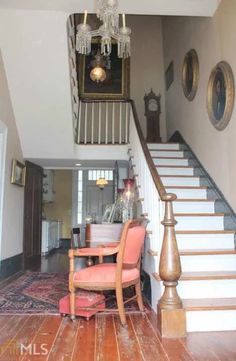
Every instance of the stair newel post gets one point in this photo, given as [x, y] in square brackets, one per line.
[170, 312]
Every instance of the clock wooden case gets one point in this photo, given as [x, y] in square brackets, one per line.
[152, 113]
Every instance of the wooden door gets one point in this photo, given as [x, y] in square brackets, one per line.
[32, 215]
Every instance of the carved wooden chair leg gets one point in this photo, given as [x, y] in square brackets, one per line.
[139, 296]
[120, 305]
[72, 305]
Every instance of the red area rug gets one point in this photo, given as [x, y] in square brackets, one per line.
[39, 293]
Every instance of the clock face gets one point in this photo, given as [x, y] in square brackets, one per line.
[152, 105]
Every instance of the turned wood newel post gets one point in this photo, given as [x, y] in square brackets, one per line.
[171, 315]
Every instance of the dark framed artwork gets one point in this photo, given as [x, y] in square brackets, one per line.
[116, 84]
[190, 74]
[220, 95]
[169, 75]
[18, 173]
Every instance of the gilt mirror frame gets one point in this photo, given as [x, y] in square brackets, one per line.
[190, 74]
[220, 95]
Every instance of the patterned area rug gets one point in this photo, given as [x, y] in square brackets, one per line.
[34, 293]
[39, 293]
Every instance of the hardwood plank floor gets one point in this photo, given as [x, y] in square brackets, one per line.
[48, 338]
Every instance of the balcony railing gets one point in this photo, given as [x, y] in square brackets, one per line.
[103, 122]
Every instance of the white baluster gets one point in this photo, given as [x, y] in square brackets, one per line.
[79, 122]
[92, 125]
[85, 123]
[120, 124]
[99, 122]
[106, 115]
[127, 109]
[113, 123]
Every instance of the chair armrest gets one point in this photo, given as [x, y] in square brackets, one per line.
[90, 252]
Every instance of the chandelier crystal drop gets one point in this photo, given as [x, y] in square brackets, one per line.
[107, 12]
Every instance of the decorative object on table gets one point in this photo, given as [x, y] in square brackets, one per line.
[169, 75]
[128, 199]
[107, 13]
[152, 113]
[220, 95]
[18, 173]
[190, 74]
[119, 207]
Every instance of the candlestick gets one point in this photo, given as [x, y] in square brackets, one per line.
[123, 17]
[85, 16]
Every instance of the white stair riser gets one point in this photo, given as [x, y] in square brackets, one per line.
[199, 223]
[207, 289]
[205, 241]
[194, 207]
[186, 193]
[208, 263]
[175, 171]
[169, 161]
[167, 153]
[222, 320]
[181, 181]
[163, 146]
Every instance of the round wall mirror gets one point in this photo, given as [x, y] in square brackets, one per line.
[220, 95]
[190, 74]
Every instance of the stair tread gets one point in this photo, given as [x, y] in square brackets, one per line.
[153, 157]
[194, 200]
[166, 150]
[197, 252]
[199, 214]
[224, 231]
[174, 166]
[179, 176]
[160, 143]
[186, 187]
[198, 304]
[203, 275]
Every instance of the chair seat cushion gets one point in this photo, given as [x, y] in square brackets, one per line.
[104, 273]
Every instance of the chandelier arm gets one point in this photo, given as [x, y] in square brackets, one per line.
[95, 33]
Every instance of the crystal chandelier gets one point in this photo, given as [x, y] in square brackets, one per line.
[107, 12]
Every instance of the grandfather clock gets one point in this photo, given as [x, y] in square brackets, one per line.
[152, 113]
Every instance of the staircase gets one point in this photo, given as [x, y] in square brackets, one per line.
[205, 238]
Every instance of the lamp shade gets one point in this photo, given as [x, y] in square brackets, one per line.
[101, 182]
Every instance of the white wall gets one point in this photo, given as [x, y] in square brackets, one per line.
[147, 67]
[13, 206]
[214, 40]
[35, 52]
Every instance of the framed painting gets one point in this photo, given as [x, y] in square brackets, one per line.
[190, 74]
[117, 78]
[18, 173]
[220, 95]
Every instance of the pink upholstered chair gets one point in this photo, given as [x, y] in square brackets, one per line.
[112, 276]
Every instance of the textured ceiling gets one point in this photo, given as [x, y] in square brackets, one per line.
[147, 7]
